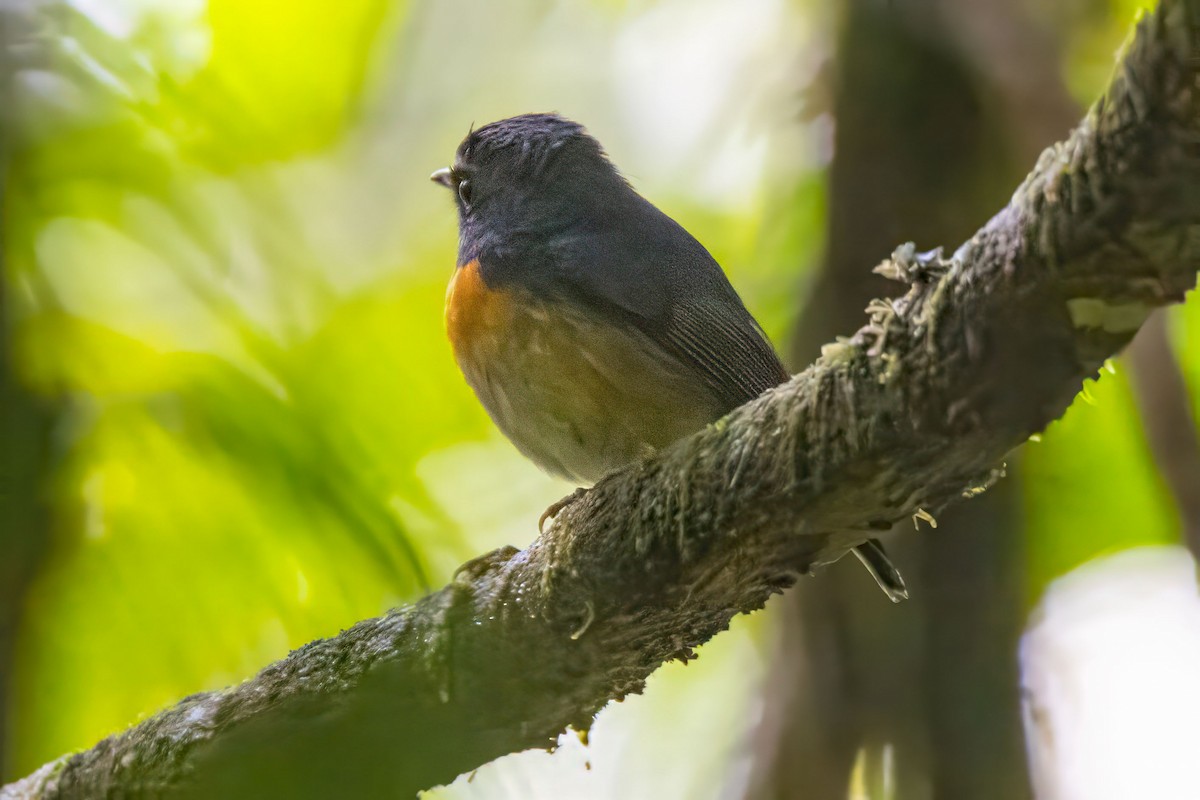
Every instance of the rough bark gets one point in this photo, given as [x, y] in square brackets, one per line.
[917, 409]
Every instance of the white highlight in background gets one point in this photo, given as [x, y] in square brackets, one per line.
[1110, 670]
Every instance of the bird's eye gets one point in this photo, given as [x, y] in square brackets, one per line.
[464, 192]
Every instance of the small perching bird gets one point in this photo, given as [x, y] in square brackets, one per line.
[593, 328]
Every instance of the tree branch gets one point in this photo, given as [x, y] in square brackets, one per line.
[914, 411]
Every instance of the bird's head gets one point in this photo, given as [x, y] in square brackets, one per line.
[529, 172]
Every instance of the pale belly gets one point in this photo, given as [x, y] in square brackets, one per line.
[577, 397]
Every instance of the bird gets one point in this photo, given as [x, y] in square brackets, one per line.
[593, 328]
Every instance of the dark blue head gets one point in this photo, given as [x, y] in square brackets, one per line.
[528, 176]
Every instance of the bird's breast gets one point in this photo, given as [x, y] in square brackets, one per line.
[501, 336]
[577, 393]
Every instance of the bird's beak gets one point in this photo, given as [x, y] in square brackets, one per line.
[444, 176]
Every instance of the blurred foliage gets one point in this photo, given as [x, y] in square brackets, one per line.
[1094, 31]
[227, 263]
[1120, 504]
[172, 297]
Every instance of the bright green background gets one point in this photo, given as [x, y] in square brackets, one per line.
[229, 267]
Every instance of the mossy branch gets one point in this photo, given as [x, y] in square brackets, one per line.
[917, 410]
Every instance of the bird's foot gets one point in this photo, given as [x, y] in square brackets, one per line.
[558, 506]
[875, 559]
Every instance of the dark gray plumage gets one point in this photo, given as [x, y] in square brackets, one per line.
[593, 327]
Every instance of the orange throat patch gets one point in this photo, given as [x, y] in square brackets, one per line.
[473, 311]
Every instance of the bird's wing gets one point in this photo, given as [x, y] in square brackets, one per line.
[678, 296]
[719, 339]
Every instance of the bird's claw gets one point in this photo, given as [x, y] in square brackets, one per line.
[558, 506]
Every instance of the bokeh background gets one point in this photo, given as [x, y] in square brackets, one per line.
[231, 422]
